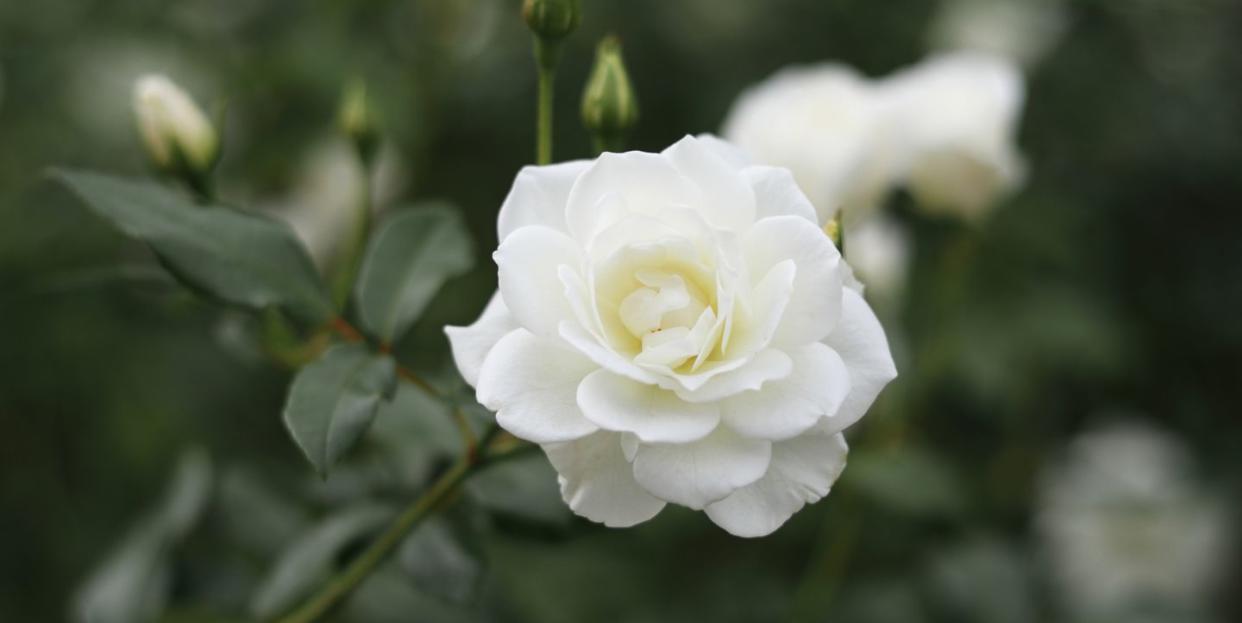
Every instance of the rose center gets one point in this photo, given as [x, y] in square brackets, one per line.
[670, 316]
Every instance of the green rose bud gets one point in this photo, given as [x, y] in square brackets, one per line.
[551, 19]
[357, 120]
[609, 108]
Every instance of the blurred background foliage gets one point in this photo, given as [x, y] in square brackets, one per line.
[1108, 288]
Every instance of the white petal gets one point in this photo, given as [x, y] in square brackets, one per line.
[603, 356]
[815, 303]
[620, 184]
[538, 197]
[735, 156]
[790, 406]
[598, 483]
[532, 384]
[701, 472]
[728, 200]
[777, 194]
[764, 366]
[471, 344]
[765, 309]
[653, 414]
[529, 259]
[802, 471]
[859, 339]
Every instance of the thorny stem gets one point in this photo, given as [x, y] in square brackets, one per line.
[347, 332]
[341, 585]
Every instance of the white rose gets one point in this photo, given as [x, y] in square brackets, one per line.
[1126, 526]
[1023, 30]
[172, 126]
[956, 116]
[827, 125]
[674, 327]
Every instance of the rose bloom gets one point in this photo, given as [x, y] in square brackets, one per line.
[825, 123]
[944, 128]
[955, 118]
[1127, 527]
[675, 327]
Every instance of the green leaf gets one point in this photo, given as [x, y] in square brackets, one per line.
[438, 557]
[388, 596]
[411, 256]
[312, 558]
[239, 257]
[133, 584]
[333, 400]
[523, 488]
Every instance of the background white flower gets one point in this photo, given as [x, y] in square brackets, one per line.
[956, 117]
[879, 253]
[675, 327]
[326, 189]
[825, 123]
[1022, 30]
[944, 128]
[1127, 528]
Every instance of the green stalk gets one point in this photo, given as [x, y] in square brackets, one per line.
[355, 247]
[546, 55]
[615, 144]
[341, 585]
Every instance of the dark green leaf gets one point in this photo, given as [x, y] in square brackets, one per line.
[257, 515]
[239, 257]
[333, 400]
[312, 558]
[411, 256]
[523, 488]
[440, 561]
[388, 596]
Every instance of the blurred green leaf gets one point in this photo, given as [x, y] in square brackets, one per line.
[333, 400]
[413, 421]
[388, 596]
[312, 557]
[441, 561]
[256, 515]
[908, 479]
[239, 257]
[414, 252]
[134, 582]
[524, 488]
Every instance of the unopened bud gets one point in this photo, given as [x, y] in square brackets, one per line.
[609, 108]
[178, 136]
[357, 120]
[552, 20]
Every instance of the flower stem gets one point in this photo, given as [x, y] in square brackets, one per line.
[547, 53]
[341, 585]
[355, 248]
[543, 118]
